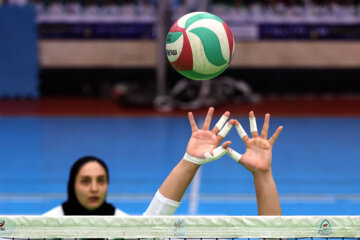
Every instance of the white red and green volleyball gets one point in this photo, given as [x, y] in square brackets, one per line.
[200, 45]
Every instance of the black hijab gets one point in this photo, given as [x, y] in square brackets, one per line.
[72, 205]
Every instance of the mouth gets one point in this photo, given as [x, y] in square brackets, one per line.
[93, 199]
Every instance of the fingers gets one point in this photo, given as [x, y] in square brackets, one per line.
[234, 154]
[226, 129]
[214, 154]
[208, 119]
[241, 131]
[253, 126]
[265, 129]
[219, 125]
[193, 125]
[275, 135]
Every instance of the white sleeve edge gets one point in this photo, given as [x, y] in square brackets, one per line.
[166, 200]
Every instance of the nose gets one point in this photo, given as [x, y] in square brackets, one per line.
[94, 186]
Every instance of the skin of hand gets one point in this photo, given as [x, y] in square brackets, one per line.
[257, 159]
[258, 155]
[203, 140]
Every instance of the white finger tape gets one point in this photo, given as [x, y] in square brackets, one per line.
[221, 122]
[253, 126]
[240, 131]
[216, 154]
[225, 130]
[234, 154]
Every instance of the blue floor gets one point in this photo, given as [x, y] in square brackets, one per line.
[315, 164]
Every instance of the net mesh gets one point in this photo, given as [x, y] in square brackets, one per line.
[182, 227]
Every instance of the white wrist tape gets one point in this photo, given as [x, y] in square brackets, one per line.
[240, 131]
[225, 130]
[216, 154]
[221, 122]
[234, 154]
[253, 126]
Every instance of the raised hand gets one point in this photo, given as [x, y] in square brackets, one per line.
[258, 155]
[257, 159]
[203, 144]
[202, 148]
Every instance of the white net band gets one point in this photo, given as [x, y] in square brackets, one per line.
[180, 227]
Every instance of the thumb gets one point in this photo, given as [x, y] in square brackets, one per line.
[226, 144]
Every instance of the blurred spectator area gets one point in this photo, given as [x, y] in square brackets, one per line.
[274, 33]
[276, 40]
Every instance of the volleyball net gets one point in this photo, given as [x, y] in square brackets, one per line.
[179, 227]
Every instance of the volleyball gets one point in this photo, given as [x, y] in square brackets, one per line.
[200, 45]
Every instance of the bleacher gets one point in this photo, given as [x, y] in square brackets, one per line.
[118, 38]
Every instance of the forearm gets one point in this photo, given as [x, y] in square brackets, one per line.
[178, 180]
[266, 194]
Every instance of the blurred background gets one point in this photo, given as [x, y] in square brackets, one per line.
[80, 77]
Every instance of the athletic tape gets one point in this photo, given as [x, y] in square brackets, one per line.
[234, 154]
[193, 159]
[240, 131]
[225, 130]
[221, 122]
[216, 154]
[253, 126]
[208, 157]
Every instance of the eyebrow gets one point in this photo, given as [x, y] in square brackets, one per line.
[87, 176]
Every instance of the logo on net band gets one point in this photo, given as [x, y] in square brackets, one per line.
[325, 228]
[2, 225]
[178, 228]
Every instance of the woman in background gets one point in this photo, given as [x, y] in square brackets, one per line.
[87, 189]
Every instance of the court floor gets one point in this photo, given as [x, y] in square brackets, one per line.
[315, 163]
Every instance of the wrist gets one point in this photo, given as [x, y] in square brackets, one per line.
[188, 165]
[263, 175]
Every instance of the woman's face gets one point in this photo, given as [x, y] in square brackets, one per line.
[91, 185]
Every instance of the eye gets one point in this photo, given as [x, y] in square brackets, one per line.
[101, 180]
[85, 181]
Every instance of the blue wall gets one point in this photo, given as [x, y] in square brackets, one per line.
[18, 52]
